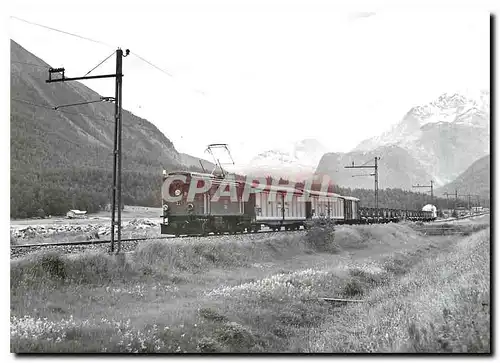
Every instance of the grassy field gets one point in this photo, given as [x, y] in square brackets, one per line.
[260, 294]
[441, 304]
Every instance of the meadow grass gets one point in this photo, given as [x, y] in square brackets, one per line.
[252, 294]
[439, 305]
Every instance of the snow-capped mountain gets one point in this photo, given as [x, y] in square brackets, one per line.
[295, 160]
[453, 108]
[445, 135]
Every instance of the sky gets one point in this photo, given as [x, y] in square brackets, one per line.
[258, 76]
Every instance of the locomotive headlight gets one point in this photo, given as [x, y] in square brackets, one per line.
[165, 207]
[177, 192]
[190, 207]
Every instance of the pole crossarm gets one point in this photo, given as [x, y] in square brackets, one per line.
[431, 186]
[65, 79]
[468, 196]
[372, 174]
[359, 167]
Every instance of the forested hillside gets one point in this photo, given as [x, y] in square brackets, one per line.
[62, 159]
[394, 198]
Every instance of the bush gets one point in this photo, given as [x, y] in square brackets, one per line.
[86, 268]
[13, 239]
[235, 337]
[54, 265]
[208, 345]
[320, 235]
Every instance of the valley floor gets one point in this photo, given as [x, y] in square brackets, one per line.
[129, 212]
[260, 294]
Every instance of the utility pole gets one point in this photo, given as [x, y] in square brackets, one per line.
[375, 174]
[117, 149]
[427, 186]
[468, 200]
[117, 155]
[456, 200]
[447, 204]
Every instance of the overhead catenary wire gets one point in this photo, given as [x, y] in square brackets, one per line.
[52, 108]
[94, 41]
[203, 93]
[68, 112]
[31, 64]
[64, 32]
[153, 65]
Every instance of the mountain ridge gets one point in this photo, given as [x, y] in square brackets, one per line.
[62, 159]
[440, 140]
[445, 135]
[474, 180]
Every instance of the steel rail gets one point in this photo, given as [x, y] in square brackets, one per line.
[98, 242]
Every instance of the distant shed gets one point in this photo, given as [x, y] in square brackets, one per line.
[75, 213]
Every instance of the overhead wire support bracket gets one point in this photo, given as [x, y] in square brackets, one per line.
[103, 99]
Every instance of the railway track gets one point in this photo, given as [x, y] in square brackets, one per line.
[450, 220]
[128, 244]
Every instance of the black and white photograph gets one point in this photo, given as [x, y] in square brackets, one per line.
[249, 177]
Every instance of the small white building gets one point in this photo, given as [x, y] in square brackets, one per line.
[75, 213]
[430, 208]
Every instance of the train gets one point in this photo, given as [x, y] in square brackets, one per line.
[196, 203]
